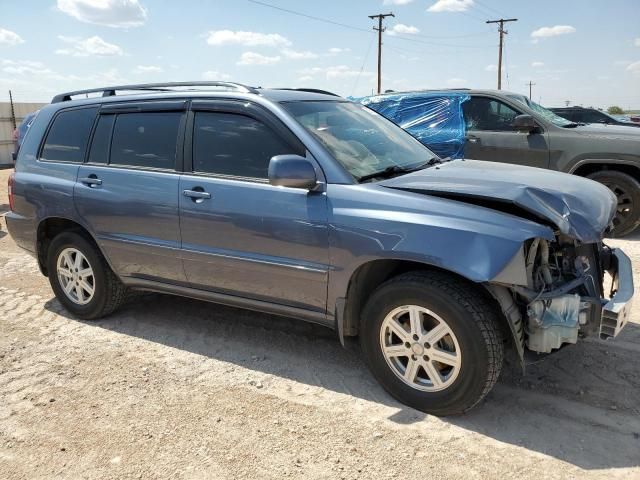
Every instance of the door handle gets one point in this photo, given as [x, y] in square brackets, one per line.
[197, 194]
[91, 181]
[472, 139]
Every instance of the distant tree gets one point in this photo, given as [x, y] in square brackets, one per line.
[615, 110]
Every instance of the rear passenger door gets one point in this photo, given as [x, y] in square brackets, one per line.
[241, 235]
[491, 136]
[127, 191]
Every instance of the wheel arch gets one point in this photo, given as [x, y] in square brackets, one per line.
[585, 168]
[368, 276]
[49, 228]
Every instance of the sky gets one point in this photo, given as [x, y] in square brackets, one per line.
[584, 52]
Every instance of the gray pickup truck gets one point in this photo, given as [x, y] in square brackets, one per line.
[307, 205]
[506, 127]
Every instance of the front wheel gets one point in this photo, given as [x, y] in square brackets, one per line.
[432, 341]
[627, 191]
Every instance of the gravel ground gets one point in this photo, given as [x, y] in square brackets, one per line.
[176, 388]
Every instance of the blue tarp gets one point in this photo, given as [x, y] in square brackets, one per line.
[433, 118]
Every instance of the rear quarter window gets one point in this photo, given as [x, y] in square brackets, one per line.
[68, 136]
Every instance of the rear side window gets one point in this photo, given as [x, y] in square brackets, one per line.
[233, 144]
[145, 139]
[68, 136]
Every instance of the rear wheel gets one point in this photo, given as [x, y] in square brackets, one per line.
[81, 278]
[627, 191]
[432, 341]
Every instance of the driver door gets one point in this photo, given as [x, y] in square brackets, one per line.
[490, 136]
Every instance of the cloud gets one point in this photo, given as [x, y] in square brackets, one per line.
[215, 75]
[537, 64]
[636, 42]
[456, 82]
[7, 37]
[294, 55]
[253, 58]
[110, 13]
[491, 68]
[334, 72]
[396, 2]
[450, 6]
[401, 28]
[546, 32]
[634, 67]
[26, 67]
[148, 69]
[305, 78]
[337, 50]
[92, 46]
[247, 39]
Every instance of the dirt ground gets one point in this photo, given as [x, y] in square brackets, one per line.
[176, 388]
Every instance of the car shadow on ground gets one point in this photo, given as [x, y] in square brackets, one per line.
[633, 236]
[578, 405]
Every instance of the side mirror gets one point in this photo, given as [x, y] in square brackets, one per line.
[292, 171]
[524, 123]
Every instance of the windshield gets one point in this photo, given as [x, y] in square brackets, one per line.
[363, 141]
[546, 113]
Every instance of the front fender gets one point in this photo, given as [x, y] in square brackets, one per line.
[477, 243]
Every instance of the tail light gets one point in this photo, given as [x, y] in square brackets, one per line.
[12, 180]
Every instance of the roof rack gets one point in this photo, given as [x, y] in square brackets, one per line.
[158, 87]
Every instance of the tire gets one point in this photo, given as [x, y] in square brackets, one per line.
[627, 190]
[473, 337]
[107, 292]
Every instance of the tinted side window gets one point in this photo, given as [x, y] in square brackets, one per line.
[68, 136]
[145, 139]
[99, 152]
[232, 144]
[488, 114]
[589, 116]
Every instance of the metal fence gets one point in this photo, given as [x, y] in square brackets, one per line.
[7, 118]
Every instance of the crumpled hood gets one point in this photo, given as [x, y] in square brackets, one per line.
[578, 207]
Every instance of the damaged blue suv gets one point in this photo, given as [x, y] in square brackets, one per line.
[303, 204]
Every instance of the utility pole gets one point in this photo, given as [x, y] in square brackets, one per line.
[530, 85]
[502, 32]
[13, 112]
[380, 29]
[567, 102]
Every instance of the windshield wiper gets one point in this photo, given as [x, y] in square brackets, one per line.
[394, 170]
[573, 125]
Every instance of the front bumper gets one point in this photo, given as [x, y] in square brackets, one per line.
[617, 310]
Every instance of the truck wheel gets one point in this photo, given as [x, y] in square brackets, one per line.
[627, 190]
[81, 278]
[432, 341]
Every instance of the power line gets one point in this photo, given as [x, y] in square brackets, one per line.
[311, 17]
[502, 33]
[487, 8]
[380, 17]
[360, 29]
[364, 61]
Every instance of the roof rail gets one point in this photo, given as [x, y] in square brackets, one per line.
[161, 87]
[310, 90]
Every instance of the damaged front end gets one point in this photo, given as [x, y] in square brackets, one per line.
[567, 294]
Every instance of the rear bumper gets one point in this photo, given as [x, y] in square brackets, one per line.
[617, 310]
[22, 230]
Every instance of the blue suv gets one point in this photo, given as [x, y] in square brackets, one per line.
[303, 204]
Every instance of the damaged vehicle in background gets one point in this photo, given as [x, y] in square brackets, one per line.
[307, 205]
[507, 127]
